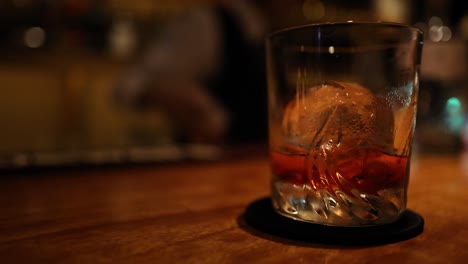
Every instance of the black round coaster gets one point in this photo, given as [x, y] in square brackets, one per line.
[261, 216]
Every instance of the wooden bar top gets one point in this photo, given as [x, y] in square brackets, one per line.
[190, 213]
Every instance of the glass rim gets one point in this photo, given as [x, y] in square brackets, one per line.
[358, 23]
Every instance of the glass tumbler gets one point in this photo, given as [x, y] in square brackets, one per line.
[342, 100]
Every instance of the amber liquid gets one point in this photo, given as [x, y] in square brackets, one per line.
[360, 186]
[366, 170]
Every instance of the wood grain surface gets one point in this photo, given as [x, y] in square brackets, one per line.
[191, 213]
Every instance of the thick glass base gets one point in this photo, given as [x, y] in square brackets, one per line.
[302, 202]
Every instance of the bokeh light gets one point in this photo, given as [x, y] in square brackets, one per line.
[437, 31]
[454, 118]
[435, 34]
[446, 33]
[435, 22]
[453, 105]
[34, 37]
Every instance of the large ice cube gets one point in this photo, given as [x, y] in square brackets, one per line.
[342, 114]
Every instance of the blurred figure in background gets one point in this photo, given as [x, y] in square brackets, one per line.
[206, 71]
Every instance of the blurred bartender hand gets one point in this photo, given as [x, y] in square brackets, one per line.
[206, 71]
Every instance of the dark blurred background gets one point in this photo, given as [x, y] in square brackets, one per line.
[70, 72]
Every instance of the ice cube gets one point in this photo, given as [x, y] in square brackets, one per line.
[341, 114]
